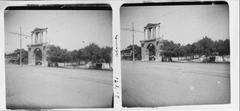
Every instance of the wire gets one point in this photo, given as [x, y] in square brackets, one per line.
[128, 29]
[19, 34]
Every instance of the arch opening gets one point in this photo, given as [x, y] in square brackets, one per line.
[151, 52]
[38, 56]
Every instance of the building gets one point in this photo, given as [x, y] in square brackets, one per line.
[126, 54]
[150, 46]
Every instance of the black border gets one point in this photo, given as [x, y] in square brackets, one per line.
[176, 3]
[61, 7]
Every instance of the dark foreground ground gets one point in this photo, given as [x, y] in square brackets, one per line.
[44, 87]
[154, 84]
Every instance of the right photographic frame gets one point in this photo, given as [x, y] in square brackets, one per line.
[175, 54]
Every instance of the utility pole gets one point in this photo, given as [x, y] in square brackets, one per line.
[133, 42]
[20, 40]
[20, 56]
[133, 30]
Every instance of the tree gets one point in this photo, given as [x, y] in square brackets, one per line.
[68, 57]
[74, 55]
[92, 52]
[205, 46]
[197, 49]
[170, 49]
[177, 50]
[54, 54]
[226, 45]
[189, 50]
[81, 55]
[106, 54]
[219, 47]
[222, 47]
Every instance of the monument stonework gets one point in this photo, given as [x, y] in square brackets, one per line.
[150, 46]
[37, 50]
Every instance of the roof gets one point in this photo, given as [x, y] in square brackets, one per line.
[149, 25]
[39, 29]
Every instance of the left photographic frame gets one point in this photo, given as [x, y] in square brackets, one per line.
[58, 56]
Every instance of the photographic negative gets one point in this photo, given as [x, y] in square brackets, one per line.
[58, 56]
[175, 54]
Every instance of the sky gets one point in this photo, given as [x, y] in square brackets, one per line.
[182, 24]
[70, 29]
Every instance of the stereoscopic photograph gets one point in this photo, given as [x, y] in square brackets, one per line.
[58, 56]
[175, 54]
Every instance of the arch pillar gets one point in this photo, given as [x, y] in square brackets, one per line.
[144, 52]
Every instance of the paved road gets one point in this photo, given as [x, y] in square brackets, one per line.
[43, 87]
[152, 84]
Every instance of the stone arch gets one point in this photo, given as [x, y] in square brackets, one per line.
[37, 50]
[37, 55]
[150, 46]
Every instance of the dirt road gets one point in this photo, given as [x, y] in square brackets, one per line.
[152, 84]
[43, 87]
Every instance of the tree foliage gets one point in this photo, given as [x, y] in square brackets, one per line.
[106, 54]
[205, 46]
[54, 54]
[15, 56]
[91, 52]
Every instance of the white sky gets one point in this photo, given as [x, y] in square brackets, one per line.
[66, 28]
[182, 24]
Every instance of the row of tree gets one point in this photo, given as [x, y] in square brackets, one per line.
[206, 46]
[91, 53]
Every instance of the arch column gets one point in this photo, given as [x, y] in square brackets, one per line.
[157, 32]
[31, 56]
[154, 33]
[158, 57]
[145, 33]
[44, 56]
[148, 33]
[144, 52]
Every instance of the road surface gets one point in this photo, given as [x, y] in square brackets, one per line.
[44, 87]
[155, 84]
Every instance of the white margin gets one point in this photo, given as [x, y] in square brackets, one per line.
[115, 4]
